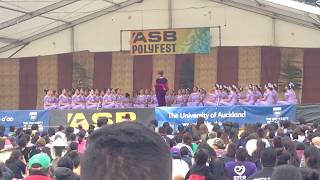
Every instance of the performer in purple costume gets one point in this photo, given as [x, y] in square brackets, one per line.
[178, 99]
[170, 97]
[268, 96]
[250, 96]
[289, 95]
[233, 98]
[49, 101]
[140, 101]
[153, 100]
[194, 97]
[93, 101]
[64, 100]
[107, 101]
[212, 97]
[79, 101]
[161, 88]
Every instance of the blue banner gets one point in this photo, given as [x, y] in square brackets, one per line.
[25, 118]
[238, 114]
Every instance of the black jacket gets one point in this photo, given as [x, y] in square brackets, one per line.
[62, 173]
[265, 173]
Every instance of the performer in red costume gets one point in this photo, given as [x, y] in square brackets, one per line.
[161, 88]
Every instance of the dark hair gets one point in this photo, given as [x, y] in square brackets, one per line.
[2, 130]
[60, 128]
[66, 162]
[309, 174]
[47, 151]
[34, 127]
[73, 146]
[201, 157]
[81, 136]
[12, 128]
[291, 149]
[15, 155]
[277, 142]
[268, 157]
[113, 150]
[286, 172]
[22, 142]
[51, 132]
[231, 150]
[312, 157]
[187, 138]
[101, 122]
[36, 171]
[241, 154]
[75, 157]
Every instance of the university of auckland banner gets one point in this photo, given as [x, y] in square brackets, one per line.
[170, 41]
[238, 114]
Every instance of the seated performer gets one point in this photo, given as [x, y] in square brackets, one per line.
[64, 100]
[289, 95]
[107, 101]
[119, 98]
[49, 101]
[179, 99]
[250, 97]
[170, 97]
[257, 91]
[268, 96]
[275, 93]
[233, 98]
[127, 101]
[194, 97]
[93, 101]
[140, 101]
[79, 101]
[212, 98]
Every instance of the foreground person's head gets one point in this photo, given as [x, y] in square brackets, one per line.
[126, 151]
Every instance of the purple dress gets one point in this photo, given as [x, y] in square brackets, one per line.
[289, 97]
[194, 99]
[211, 100]
[153, 101]
[169, 100]
[107, 102]
[64, 102]
[179, 101]
[93, 99]
[49, 102]
[275, 96]
[251, 98]
[140, 101]
[79, 102]
[269, 98]
[233, 99]
[161, 88]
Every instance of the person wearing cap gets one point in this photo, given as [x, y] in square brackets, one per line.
[217, 145]
[161, 88]
[179, 166]
[39, 167]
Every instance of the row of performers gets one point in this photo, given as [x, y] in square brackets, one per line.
[219, 95]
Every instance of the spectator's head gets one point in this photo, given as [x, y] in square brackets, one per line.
[73, 146]
[316, 142]
[41, 142]
[66, 162]
[35, 127]
[101, 122]
[268, 157]
[231, 150]
[277, 142]
[283, 158]
[241, 154]
[12, 129]
[15, 155]
[286, 172]
[22, 142]
[184, 151]
[39, 164]
[201, 157]
[312, 157]
[187, 138]
[75, 157]
[309, 174]
[61, 128]
[51, 132]
[113, 150]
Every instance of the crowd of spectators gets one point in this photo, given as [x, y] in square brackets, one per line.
[133, 151]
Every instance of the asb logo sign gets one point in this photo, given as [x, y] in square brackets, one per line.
[85, 119]
[33, 116]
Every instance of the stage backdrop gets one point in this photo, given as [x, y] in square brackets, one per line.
[20, 80]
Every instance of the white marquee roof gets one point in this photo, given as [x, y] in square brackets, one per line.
[23, 21]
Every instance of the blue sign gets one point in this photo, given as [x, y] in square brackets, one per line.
[24, 119]
[238, 114]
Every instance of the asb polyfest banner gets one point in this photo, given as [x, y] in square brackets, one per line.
[170, 41]
[220, 114]
[25, 119]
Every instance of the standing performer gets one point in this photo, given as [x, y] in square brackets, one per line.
[161, 88]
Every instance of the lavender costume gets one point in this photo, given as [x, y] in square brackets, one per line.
[49, 102]
[64, 102]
